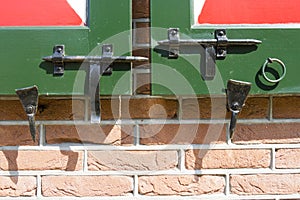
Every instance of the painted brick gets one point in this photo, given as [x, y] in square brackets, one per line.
[265, 184]
[182, 134]
[207, 108]
[17, 135]
[40, 160]
[227, 159]
[267, 133]
[143, 85]
[140, 9]
[142, 33]
[17, 186]
[86, 186]
[286, 107]
[11, 110]
[144, 52]
[60, 109]
[287, 158]
[96, 134]
[132, 160]
[181, 185]
[109, 109]
[151, 108]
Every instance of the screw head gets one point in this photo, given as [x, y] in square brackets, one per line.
[29, 109]
[221, 33]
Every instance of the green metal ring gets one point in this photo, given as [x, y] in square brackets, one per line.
[271, 60]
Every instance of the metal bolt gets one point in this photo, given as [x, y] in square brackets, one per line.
[29, 109]
[107, 49]
[173, 32]
[235, 106]
[221, 33]
[59, 50]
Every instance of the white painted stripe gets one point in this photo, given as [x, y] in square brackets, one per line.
[198, 6]
[80, 7]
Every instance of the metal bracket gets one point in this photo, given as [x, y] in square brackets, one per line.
[237, 92]
[212, 49]
[57, 59]
[98, 66]
[29, 100]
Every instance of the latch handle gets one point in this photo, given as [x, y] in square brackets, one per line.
[98, 66]
[214, 49]
[237, 92]
[29, 100]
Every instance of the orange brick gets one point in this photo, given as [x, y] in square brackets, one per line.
[132, 160]
[48, 109]
[96, 134]
[151, 108]
[181, 185]
[227, 159]
[143, 83]
[15, 135]
[40, 160]
[17, 186]
[109, 109]
[272, 184]
[182, 134]
[207, 108]
[144, 52]
[286, 107]
[267, 133]
[287, 158]
[83, 186]
[142, 33]
[140, 9]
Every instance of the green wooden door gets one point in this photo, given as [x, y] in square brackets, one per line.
[276, 27]
[22, 49]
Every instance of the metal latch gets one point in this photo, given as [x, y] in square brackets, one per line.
[213, 49]
[29, 100]
[237, 92]
[98, 65]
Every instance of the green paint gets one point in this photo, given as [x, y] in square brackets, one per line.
[22, 49]
[241, 63]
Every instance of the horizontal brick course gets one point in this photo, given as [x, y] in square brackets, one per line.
[181, 185]
[215, 107]
[182, 134]
[17, 186]
[96, 134]
[265, 184]
[140, 9]
[286, 107]
[80, 186]
[152, 108]
[267, 133]
[17, 135]
[48, 109]
[11, 160]
[132, 160]
[287, 158]
[227, 159]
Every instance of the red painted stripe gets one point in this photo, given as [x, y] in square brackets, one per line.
[37, 13]
[250, 12]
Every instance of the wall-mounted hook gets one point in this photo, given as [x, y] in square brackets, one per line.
[29, 100]
[237, 92]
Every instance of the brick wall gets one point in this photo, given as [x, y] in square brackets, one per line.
[151, 147]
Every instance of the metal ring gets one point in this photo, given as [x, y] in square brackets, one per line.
[270, 60]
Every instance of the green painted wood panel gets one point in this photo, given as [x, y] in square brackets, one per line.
[22, 49]
[182, 76]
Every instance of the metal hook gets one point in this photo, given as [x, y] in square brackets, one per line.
[237, 92]
[29, 100]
